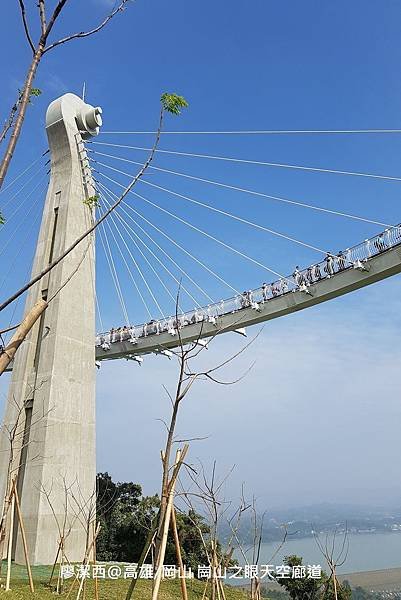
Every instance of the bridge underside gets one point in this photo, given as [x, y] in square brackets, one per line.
[378, 267]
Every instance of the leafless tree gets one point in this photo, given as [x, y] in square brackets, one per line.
[335, 557]
[187, 377]
[40, 43]
[257, 536]
[208, 491]
[18, 438]
[75, 511]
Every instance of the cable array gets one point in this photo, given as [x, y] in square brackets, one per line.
[157, 254]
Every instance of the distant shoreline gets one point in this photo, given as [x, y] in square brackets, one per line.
[374, 581]
[339, 533]
[380, 580]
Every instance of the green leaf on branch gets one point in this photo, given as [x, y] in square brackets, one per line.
[2, 219]
[92, 202]
[35, 92]
[173, 103]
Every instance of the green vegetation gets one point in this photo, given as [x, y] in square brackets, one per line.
[125, 517]
[173, 103]
[92, 201]
[359, 593]
[313, 589]
[116, 590]
[274, 594]
[35, 92]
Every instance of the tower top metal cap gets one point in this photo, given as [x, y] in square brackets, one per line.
[75, 112]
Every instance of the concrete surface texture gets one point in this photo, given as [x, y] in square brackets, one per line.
[53, 381]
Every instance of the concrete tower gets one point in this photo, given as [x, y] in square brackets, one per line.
[54, 371]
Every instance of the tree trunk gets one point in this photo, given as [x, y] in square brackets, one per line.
[21, 114]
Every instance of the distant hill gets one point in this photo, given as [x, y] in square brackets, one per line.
[324, 517]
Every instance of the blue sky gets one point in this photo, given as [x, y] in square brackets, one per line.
[264, 65]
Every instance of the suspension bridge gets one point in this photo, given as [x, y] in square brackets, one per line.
[148, 265]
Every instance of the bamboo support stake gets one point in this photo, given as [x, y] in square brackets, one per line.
[221, 586]
[55, 563]
[23, 535]
[335, 586]
[170, 485]
[24, 328]
[86, 560]
[166, 524]
[84, 563]
[142, 559]
[60, 581]
[184, 591]
[215, 571]
[94, 562]
[3, 523]
[10, 539]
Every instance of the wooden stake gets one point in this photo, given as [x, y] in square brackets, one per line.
[166, 524]
[3, 523]
[179, 556]
[23, 535]
[84, 563]
[54, 564]
[60, 580]
[10, 539]
[24, 328]
[142, 559]
[215, 575]
[94, 562]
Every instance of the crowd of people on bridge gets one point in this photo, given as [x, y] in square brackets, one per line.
[300, 280]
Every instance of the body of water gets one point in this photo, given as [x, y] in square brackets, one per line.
[367, 552]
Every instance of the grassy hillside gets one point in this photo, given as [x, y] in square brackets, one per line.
[108, 589]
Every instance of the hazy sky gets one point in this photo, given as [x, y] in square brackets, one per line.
[317, 419]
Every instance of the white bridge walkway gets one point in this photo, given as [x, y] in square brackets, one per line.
[374, 259]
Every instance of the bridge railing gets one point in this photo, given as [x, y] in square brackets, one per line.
[333, 264]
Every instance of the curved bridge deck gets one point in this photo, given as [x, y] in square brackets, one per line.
[362, 265]
[371, 261]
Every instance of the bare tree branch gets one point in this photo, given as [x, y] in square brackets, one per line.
[70, 248]
[84, 34]
[42, 14]
[207, 375]
[193, 439]
[38, 51]
[25, 23]
[53, 18]
[9, 328]
[334, 561]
